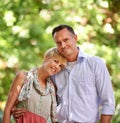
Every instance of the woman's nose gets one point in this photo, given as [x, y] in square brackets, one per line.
[57, 66]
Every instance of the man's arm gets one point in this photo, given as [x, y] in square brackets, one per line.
[17, 112]
[105, 118]
[105, 92]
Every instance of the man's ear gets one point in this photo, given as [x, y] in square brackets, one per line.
[75, 37]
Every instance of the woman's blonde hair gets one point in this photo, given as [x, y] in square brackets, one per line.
[53, 53]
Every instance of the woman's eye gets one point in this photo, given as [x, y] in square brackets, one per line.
[55, 60]
[61, 66]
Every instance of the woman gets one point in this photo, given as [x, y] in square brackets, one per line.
[35, 89]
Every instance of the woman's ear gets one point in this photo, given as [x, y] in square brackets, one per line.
[46, 59]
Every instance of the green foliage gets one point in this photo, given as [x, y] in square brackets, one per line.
[25, 34]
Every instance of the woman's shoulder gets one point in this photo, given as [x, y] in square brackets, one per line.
[19, 78]
[20, 74]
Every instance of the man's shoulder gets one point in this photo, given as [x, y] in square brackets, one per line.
[89, 57]
[94, 58]
[95, 61]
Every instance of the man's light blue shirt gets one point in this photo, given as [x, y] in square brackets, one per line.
[83, 88]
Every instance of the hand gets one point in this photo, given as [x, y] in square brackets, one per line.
[18, 112]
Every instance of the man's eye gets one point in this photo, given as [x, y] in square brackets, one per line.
[58, 43]
[66, 40]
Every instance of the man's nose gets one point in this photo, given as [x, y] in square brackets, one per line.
[63, 44]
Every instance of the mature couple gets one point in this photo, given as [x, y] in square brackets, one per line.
[83, 86]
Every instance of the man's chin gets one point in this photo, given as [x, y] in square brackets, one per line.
[63, 53]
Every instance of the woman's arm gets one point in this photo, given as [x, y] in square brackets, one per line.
[12, 96]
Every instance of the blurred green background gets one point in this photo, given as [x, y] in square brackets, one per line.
[25, 34]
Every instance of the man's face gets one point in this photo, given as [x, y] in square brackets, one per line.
[66, 42]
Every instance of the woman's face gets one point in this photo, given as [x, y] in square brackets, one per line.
[53, 65]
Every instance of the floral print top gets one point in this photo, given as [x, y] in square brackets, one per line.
[36, 99]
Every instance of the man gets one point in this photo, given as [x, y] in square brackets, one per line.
[84, 85]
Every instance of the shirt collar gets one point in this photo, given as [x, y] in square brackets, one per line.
[81, 54]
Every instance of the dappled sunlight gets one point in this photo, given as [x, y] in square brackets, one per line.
[3, 64]
[100, 18]
[104, 3]
[108, 28]
[25, 34]
[46, 1]
[49, 30]
[9, 18]
[89, 47]
[16, 29]
[22, 32]
[81, 32]
[2, 105]
[12, 61]
[45, 14]
[119, 54]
